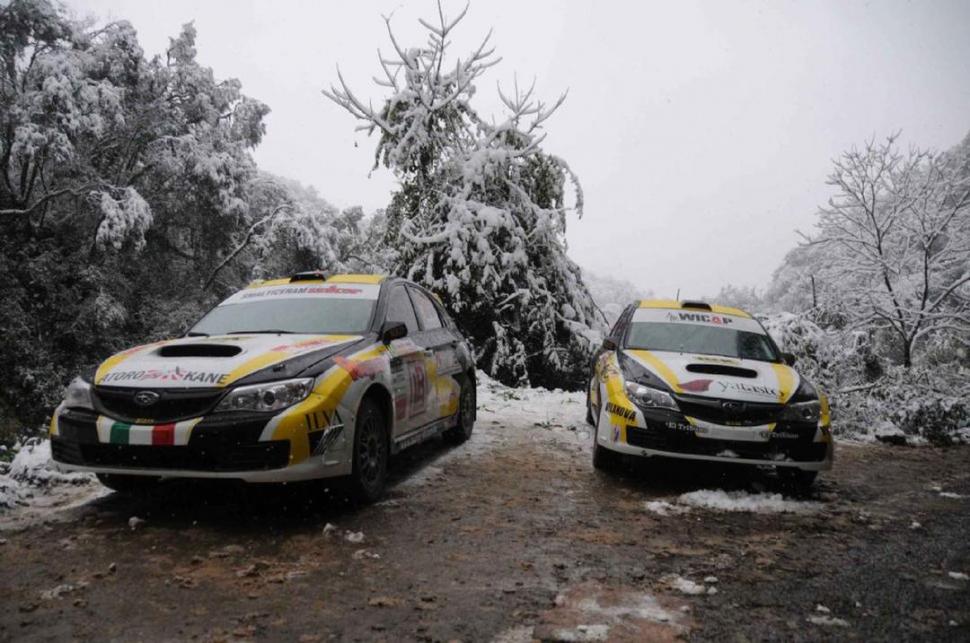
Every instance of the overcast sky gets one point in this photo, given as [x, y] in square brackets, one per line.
[702, 132]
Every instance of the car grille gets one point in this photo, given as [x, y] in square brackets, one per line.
[656, 437]
[714, 410]
[172, 405]
[250, 457]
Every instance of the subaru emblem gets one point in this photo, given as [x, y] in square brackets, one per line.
[146, 398]
[732, 407]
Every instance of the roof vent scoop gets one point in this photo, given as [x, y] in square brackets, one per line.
[722, 369]
[697, 305]
[310, 275]
[199, 350]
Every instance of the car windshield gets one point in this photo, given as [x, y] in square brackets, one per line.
[312, 315]
[706, 340]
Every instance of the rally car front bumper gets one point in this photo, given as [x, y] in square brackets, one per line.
[675, 435]
[229, 447]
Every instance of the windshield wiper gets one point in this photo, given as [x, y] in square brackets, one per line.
[269, 331]
[193, 333]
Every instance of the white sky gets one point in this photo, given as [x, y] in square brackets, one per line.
[702, 132]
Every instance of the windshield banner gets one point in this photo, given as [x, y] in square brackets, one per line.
[697, 318]
[294, 291]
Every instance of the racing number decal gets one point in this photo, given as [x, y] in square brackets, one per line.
[418, 381]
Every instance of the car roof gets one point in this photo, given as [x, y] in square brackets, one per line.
[673, 304]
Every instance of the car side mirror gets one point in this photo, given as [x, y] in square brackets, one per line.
[392, 330]
[789, 358]
[609, 344]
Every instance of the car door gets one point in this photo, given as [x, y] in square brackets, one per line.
[409, 375]
[440, 345]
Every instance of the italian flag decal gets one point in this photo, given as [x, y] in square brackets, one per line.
[173, 434]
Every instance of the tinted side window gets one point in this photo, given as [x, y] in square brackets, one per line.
[427, 312]
[399, 309]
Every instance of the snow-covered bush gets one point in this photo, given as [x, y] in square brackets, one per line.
[869, 399]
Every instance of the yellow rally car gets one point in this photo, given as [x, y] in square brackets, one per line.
[704, 382]
[291, 379]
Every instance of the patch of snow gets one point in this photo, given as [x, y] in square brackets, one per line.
[29, 480]
[710, 579]
[914, 525]
[950, 494]
[520, 634]
[355, 537]
[597, 632]
[821, 608]
[664, 508]
[748, 502]
[135, 522]
[958, 575]
[684, 585]
[827, 621]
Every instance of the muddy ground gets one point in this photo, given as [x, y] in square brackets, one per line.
[512, 537]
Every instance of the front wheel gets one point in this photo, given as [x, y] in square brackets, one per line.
[603, 458]
[370, 453]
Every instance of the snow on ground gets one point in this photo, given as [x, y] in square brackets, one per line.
[563, 412]
[30, 485]
[720, 500]
[28, 479]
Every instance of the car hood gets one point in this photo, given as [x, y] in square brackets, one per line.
[218, 361]
[720, 377]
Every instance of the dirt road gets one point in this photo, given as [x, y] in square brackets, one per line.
[512, 537]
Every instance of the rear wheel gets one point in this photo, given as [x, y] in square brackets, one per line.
[127, 484]
[466, 414]
[370, 453]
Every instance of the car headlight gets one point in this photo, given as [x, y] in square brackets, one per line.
[271, 396]
[802, 412]
[78, 395]
[650, 397]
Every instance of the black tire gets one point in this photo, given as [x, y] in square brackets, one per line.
[127, 484]
[371, 453]
[603, 459]
[467, 400]
[797, 477]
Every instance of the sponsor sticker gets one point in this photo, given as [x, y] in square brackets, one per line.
[624, 413]
[291, 291]
[697, 318]
[166, 375]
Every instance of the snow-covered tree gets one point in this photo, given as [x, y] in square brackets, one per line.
[480, 214]
[123, 182]
[896, 242]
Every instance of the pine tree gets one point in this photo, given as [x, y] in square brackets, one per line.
[480, 213]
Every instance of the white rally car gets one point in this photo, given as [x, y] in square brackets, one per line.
[291, 379]
[700, 381]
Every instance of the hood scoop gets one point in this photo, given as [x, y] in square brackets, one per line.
[199, 350]
[722, 369]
